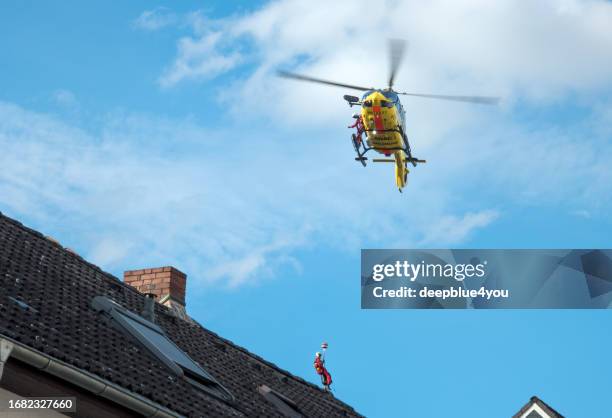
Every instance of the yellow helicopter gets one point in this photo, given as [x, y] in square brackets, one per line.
[383, 119]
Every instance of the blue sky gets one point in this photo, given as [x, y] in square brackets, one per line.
[148, 134]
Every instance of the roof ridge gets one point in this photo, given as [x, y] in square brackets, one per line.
[272, 365]
[334, 401]
[535, 399]
[66, 250]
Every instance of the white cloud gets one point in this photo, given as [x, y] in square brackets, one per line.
[237, 216]
[134, 205]
[155, 19]
[199, 59]
[540, 50]
[109, 250]
[549, 53]
[135, 198]
[581, 213]
[201, 56]
[451, 230]
[257, 263]
[65, 98]
[231, 220]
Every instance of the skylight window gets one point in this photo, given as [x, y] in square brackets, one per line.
[283, 404]
[153, 338]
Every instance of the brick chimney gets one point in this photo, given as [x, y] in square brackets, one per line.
[166, 283]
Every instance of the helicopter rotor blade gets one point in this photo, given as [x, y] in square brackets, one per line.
[286, 74]
[469, 99]
[397, 47]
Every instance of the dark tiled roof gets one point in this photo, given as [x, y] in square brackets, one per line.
[543, 405]
[45, 297]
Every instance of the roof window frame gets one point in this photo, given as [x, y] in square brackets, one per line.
[283, 404]
[120, 318]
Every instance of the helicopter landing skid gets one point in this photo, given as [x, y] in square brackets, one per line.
[358, 144]
[362, 160]
[361, 149]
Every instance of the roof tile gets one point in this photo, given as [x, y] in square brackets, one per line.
[45, 296]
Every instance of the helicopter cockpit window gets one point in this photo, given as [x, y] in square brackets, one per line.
[391, 96]
[366, 94]
[367, 103]
[385, 103]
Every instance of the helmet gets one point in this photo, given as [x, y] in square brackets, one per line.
[355, 115]
[318, 354]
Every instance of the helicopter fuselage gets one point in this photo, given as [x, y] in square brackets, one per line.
[383, 116]
[384, 120]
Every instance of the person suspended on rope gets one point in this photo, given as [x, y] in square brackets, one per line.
[319, 365]
[359, 126]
